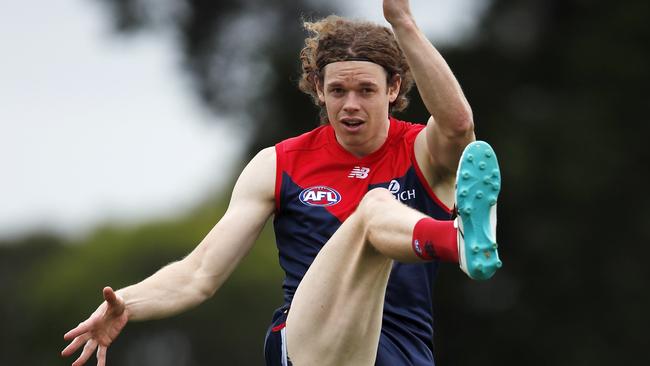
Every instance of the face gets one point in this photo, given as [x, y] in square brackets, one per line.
[357, 98]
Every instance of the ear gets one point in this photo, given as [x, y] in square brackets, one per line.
[394, 87]
[319, 89]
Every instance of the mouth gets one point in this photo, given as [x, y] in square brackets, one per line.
[352, 124]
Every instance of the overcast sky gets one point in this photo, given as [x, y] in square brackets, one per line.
[76, 102]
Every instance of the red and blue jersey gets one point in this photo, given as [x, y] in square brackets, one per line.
[318, 185]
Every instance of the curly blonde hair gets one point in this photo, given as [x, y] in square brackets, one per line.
[335, 39]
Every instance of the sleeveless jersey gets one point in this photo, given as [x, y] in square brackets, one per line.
[318, 185]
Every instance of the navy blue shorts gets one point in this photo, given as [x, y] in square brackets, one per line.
[275, 346]
[389, 352]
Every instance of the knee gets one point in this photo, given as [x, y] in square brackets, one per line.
[378, 195]
[371, 204]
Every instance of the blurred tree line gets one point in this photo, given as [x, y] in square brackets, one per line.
[559, 88]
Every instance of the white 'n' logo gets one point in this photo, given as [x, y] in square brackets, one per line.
[359, 172]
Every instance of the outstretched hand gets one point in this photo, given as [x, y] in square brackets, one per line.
[99, 330]
[397, 11]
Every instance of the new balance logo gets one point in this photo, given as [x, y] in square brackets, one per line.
[359, 172]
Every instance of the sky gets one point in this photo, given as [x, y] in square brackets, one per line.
[444, 21]
[77, 102]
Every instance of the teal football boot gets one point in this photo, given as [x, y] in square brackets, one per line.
[478, 182]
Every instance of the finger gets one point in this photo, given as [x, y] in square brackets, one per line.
[114, 301]
[109, 295]
[101, 355]
[87, 352]
[72, 347]
[82, 328]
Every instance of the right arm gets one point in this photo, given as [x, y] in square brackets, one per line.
[188, 282]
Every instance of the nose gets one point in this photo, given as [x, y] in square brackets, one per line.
[351, 103]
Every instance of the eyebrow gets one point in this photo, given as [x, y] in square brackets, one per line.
[363, 84]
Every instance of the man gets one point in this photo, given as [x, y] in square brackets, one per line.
[359, 261]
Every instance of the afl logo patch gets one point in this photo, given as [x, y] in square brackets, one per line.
[319, 196]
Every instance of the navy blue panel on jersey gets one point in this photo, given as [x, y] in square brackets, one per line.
[300, 233]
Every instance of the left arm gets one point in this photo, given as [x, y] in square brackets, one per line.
[451, 126]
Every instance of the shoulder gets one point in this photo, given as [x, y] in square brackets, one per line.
[257, 180]
[262, 165]
[266, 155]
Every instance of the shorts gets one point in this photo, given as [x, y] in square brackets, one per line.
[275, 346]
[389, 352]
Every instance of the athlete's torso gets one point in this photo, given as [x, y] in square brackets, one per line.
[319, 185]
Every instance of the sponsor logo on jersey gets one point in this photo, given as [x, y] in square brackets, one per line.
[394, 187]
[319, 196]
[359, 172]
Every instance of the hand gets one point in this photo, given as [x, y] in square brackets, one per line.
[99, 330]
[397, 11]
